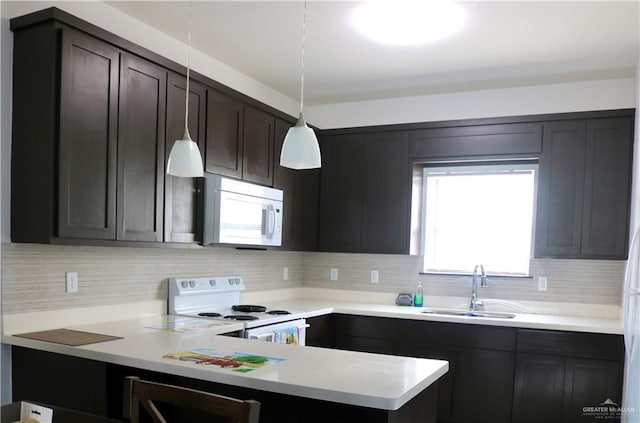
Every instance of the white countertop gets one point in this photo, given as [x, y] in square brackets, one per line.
[316, 307]
[361, 379]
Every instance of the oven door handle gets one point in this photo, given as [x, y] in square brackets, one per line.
[267, 336]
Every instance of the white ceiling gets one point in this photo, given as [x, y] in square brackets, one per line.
[504, 44]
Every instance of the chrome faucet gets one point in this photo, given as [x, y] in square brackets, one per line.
[475, 302]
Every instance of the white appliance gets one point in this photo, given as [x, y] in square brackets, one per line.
[218, 298]
[240, 213]
[631, 314]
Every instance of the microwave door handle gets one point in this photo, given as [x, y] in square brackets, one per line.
[264, 230]
[272, 226]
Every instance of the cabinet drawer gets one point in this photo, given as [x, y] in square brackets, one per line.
[572, 344]
[459, 335]
[506, 139]
[367, 327]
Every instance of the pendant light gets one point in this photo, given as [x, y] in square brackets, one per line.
[185, 159]
[300, 149]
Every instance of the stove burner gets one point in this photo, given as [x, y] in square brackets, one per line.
[208, 314]
[249, 308]
[277, 312]
[241, 317]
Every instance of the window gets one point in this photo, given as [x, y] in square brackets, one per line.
[479, 214]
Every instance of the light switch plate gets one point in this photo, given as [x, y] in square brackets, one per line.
[542, 283]
[72, 282]
[334, 274]
[375, 276]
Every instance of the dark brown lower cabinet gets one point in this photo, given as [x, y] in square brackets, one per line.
[496, 374]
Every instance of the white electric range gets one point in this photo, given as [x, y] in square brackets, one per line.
[218, 298]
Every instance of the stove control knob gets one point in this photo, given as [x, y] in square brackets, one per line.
[231, 282]
[184, 284]
[237, 281]
[192, 284]
[212, 282]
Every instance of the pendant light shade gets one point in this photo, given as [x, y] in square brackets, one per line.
[300, 149]
[184, 159]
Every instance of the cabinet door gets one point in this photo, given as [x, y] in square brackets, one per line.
[560, 190]
[257, 156]
[182, 201]
[141, 143]
[385, 193]
[301, 191]
[605, 222]
[589, 383]
[224, 135]
[339, 227]
[445, 383]
[538, 388]
[88, 138]
[482, 386]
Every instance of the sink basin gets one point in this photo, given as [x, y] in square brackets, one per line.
[468, 313]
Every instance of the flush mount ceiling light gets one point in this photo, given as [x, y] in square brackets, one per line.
[300, 149]
[410, 22]
[185, 159]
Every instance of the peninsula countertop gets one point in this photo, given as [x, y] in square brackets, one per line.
[361, 379]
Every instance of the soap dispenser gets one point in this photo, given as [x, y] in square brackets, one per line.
[417, 297]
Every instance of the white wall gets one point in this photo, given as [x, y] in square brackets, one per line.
[529, 100]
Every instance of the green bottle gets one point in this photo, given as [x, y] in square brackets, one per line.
[417, 297]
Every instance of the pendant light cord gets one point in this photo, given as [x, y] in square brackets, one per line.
[186, 96]
[304, 39]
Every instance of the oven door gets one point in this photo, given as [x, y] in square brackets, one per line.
[292, 332]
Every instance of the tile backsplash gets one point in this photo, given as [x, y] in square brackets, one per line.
[574, 281]
[33, 275]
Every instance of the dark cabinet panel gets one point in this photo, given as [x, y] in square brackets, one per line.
[589, 382]
[301, 191]
[364, 193]
[88, 137]
[257, 157]
[560, 190]
[445, 383]
[141, 143]
[479, 140]
[605, 222]
[182, 201]
[339, 227]
[321, 331]
[575, 344]
[483, 386]
[385, 193]
[224, 135]
[538, 388]
[584, 189]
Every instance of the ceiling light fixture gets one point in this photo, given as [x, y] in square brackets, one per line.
[408, 22]
[300, 149]
[185, 159]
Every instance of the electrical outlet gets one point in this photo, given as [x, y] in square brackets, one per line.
[334, 274]
[285, 273]
[375, 276]
[542, 283]
[72, 282]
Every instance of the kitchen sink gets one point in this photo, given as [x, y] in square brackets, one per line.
[469, 313]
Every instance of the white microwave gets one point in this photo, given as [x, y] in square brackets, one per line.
[240, 213]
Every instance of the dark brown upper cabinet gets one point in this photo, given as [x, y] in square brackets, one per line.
[300, 205]
[584, 189]
[182, 196]
[141, 144]
[98, 150]
[477, 140]
[224, 136]
[239, 140]
[258, 136]
[88, 138]
[364, 193]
